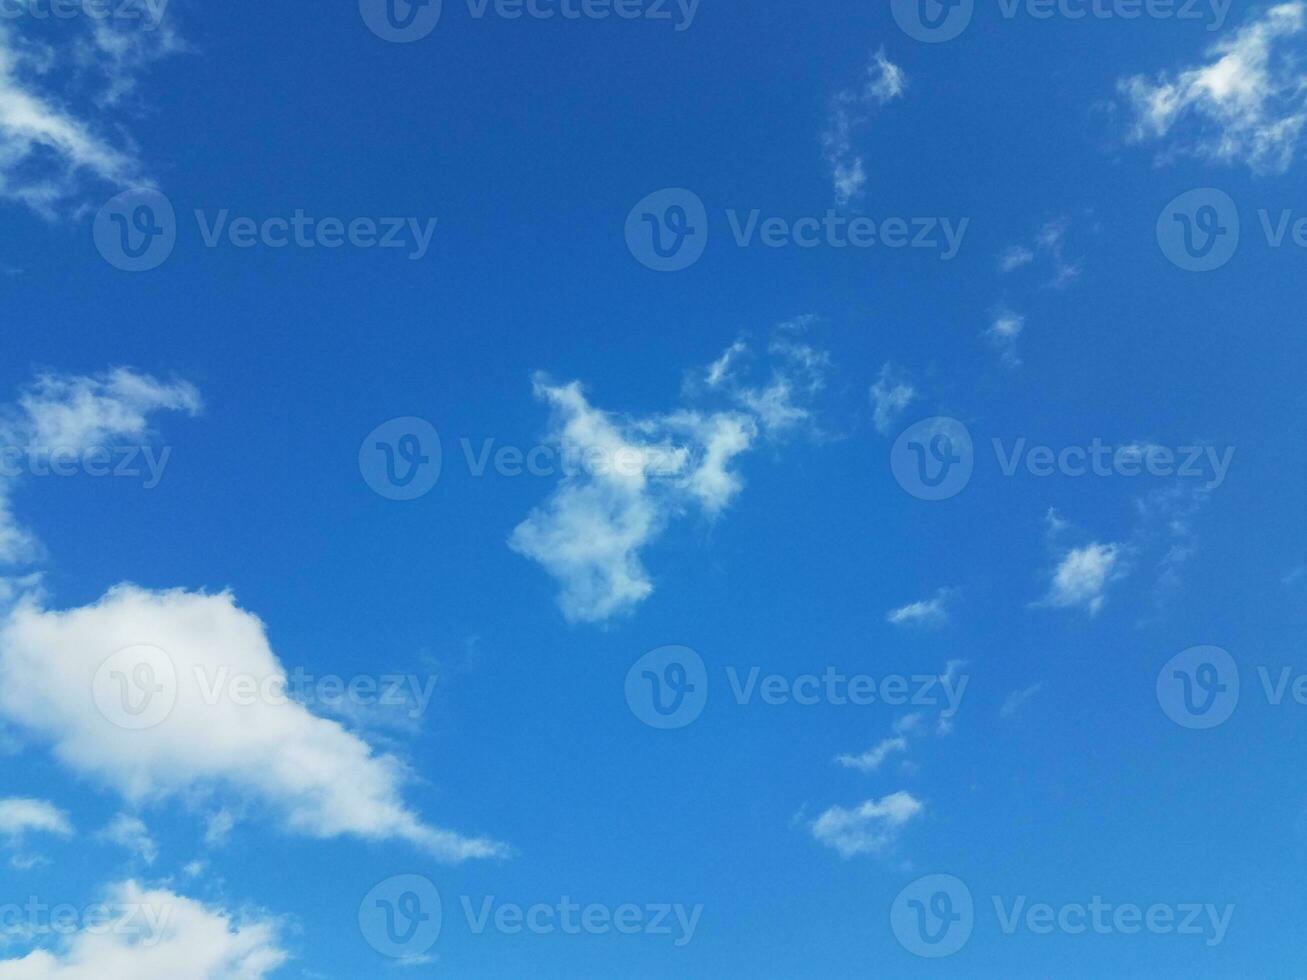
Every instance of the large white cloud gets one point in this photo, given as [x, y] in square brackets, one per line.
[1247, 104]
[320, 779]
[155, 934]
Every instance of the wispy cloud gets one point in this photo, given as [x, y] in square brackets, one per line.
[1246, 104]
[890, 396]
[644, 472]
[1014, 701]
[850, 110]
[871, 828]
[925, 612]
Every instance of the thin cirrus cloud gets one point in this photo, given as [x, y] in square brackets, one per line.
[164, 936]
[131, 834]
[630, 477]
[1246, 104]
[870, 828]
[850, 110]
[924, 612]
[59, 129]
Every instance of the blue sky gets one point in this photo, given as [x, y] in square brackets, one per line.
[788, 494]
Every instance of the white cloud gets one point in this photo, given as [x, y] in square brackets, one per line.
[74, 413]
[1004, 332]
[625, 479]
[319, 778]
[1015, 257]
[850, 110]
[872, 827]
[890, 395]
[874, 757]
[160, 936]
[1012, 704]
[1081, 577]
[1247, 104]
[20, 817]
[131, 833]
[926, 612]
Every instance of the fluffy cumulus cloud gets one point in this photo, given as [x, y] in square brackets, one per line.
[1082, 575]
[850, 110]
[1246, 104]
[60, 413]
[871, 828]
[156, 934]
[318, 778]
[624, 479]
